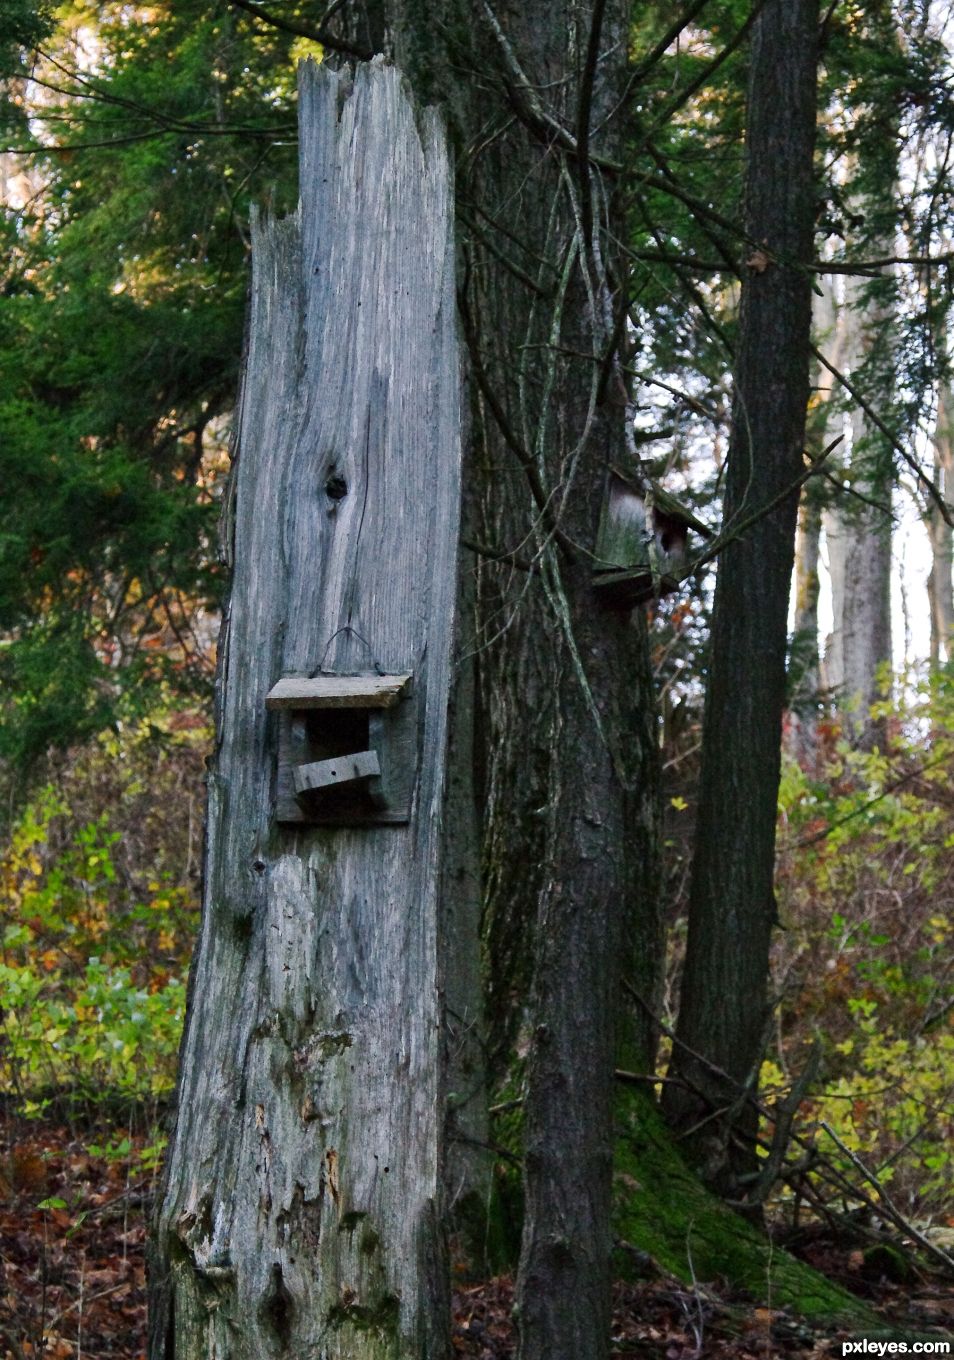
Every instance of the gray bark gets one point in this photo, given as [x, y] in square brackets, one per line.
[859, 543]
[300, 1214]
[940, 595]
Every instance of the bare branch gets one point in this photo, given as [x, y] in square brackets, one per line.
[319, 34]
[526, 102]
[674, 31]
[888, 1206]
[729, 534]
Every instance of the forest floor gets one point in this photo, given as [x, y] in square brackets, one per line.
[72, 1275]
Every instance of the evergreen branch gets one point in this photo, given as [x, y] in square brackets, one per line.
[690, 400]
[845, 490]
[141, 111]
[674, 31]
[865, 268]
[702, 78]
[679, 261]
[655, 55]
[668, 185]
[55, 148]
[874, 266]
[691, 290]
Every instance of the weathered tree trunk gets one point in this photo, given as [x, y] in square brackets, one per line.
[858, 529]
[732, 905]
[824, 425]
[301, 1211]
[940, 593]
[804, 667]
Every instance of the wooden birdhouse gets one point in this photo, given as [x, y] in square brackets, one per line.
[642, 545]
[346, 749]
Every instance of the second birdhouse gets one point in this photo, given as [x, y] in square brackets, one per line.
[642, 548]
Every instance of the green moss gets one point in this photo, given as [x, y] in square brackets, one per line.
[331, 1044]
[661, 1208]
[382, 1316]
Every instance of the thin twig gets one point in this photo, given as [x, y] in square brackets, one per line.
[498, 554]
[890, 1209]
[728, 535]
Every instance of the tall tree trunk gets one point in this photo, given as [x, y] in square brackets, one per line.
[567, 753]
[858, 529]
[940, 593]
[824, 425]
[301, 1213]
[469, 1163]
[804, 668]
[732, 905]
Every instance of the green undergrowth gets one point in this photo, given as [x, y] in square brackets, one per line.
[98, 910]
[662, 1209]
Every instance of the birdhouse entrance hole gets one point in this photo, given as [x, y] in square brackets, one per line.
[346, 749]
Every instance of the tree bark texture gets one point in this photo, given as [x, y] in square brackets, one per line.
[858, 531]
[566, 744]
[940, 594]
[825, 423]
[301, 1211]
[722, 1011]
[566, 697]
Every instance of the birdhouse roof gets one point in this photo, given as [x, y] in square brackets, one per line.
[666, 503]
